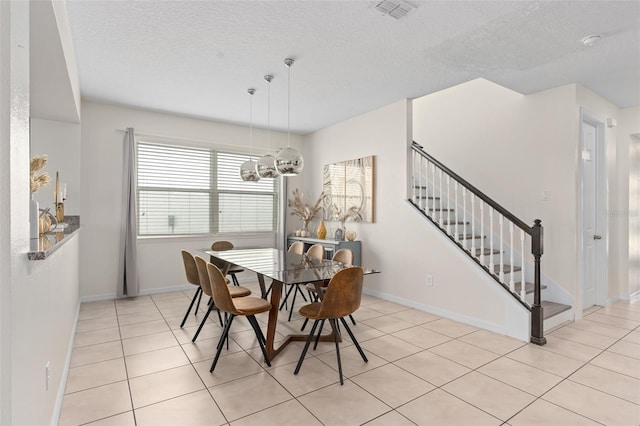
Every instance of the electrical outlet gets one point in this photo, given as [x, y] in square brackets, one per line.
[47, 375]
[429, 280]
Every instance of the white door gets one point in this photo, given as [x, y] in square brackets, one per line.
[589, 216]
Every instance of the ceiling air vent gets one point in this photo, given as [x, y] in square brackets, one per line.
[395, 8]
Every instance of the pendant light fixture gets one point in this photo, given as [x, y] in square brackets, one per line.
[248, 169]
[267, 163]
[289, 162]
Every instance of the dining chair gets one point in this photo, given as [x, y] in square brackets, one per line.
[297, 248]
[343, 255]
[191, 271]
[233, 269]
[316, 251]
[205, 284]
[247, 306]
[342, 298]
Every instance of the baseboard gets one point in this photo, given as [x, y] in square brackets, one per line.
[145, 292]
[98, 298]
[65, 371]
[444, 313]
[159, 290]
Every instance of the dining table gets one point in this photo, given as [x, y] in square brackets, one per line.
[283, 269]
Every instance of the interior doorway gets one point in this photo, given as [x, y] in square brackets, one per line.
[593, 196]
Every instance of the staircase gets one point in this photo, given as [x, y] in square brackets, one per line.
[505, 247]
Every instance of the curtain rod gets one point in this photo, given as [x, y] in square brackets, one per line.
[198, 141]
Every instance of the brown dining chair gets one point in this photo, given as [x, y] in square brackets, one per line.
[341, 298]
[203, 276]
[241, 306]
[297, 248]
[345, 256]
[191, 271]
[316, 251]
[233, 269]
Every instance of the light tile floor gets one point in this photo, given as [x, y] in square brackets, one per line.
[133, 365]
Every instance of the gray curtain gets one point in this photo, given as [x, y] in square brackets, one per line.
[281, 229]
[128, 271]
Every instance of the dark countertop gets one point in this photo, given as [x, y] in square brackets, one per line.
[42, 247]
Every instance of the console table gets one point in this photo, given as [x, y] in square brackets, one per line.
[330, 246]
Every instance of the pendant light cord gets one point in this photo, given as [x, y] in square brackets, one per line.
[251, 92]
[268, 80]
[289, 102]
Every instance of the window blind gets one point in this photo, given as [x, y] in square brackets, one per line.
[186, 190]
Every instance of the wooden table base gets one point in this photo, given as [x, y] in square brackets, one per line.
[276, 293]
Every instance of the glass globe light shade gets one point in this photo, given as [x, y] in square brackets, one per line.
[249, 172]
[267, 166]
[289, 162]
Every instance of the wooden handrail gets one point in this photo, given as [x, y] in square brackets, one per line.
[506, 213]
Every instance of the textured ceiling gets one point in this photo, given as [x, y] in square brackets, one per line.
[198, 58]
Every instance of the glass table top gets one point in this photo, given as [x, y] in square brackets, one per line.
[280, 265]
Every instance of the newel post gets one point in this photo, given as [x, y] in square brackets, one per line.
[537, 315]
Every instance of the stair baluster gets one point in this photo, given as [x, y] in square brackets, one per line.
[501, 222]
[455, 202]
[512, 284]
[523, 291]
[492, 265]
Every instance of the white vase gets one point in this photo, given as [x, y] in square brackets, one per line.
[34, 215]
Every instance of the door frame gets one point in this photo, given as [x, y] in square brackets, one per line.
[601, 200]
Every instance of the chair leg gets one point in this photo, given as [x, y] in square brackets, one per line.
[291, 287]
[306, 347]
[266, 295]
[304, 324]
[353, 339]
[352, 320]
[256, 327]
[195, 336]
[210, 303]
[225, 334]
[335, 338]
[198, 305]
[293, 301]
[301, 293]
[220, 318]
[315, 345]
[234, 279]
[184, 320]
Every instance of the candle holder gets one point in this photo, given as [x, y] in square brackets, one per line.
[60, 211]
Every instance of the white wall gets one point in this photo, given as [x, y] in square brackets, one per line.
[159, 259]
[629, 214]
[61, 142]
[38, 299]
[401, 243]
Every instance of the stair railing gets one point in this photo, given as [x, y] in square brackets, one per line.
[439, 193]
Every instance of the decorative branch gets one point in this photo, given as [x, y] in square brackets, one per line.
[303, 211]
[41, 180]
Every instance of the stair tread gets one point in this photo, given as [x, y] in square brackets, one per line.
[487, 251]
[551, 309]
[429, 197]
[439, 209]
[453, 222]
[528, 287]
[469, 236]
[505, 268]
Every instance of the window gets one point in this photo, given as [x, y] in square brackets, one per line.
[187, 190]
